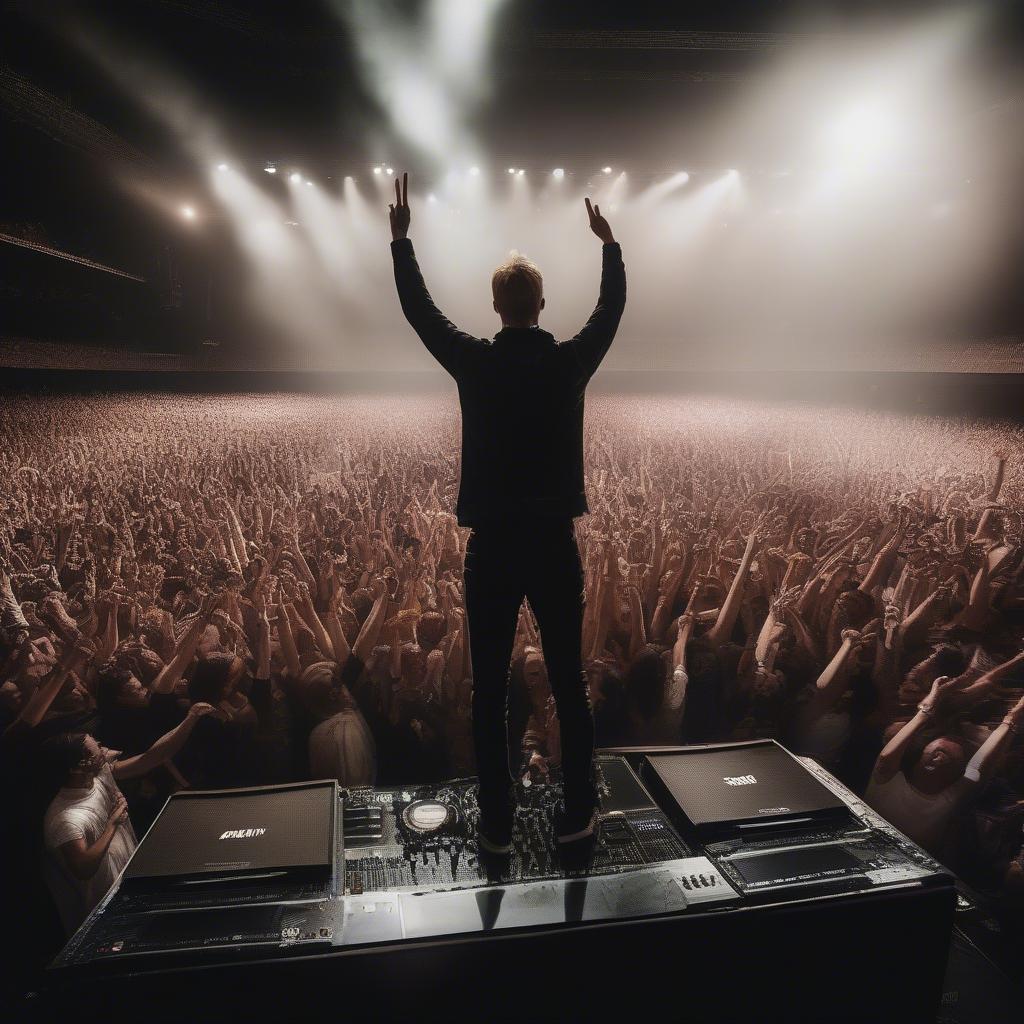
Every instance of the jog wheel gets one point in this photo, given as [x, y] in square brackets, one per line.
[428, 817]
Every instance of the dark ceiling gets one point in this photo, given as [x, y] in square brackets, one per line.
[280, 81]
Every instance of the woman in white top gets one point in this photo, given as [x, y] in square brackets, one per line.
[86, 829]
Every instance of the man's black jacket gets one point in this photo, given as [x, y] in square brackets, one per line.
[521, 396]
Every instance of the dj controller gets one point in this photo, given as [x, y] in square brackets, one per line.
[425, 837]
[685, 862]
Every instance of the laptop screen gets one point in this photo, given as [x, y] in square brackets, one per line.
[248, 830]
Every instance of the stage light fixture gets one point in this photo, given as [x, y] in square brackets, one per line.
[511, 170]
[558, 173]
[188, 212]
[606, 170]
[377, 169]
[520, 172]
[270, 169]
[295, 177]
[391, 170]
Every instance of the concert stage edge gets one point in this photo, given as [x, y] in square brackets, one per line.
[728, 882]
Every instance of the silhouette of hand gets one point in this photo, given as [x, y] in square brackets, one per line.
[598, 224]
[399, 210]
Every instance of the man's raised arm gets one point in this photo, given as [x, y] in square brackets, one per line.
[443, 339]
[591, 344]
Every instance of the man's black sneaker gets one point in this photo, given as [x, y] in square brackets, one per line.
[575, 824]
[494, 835]
[494, 826]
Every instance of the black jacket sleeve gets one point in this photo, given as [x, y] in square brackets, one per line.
[445, 342]
[591, 344]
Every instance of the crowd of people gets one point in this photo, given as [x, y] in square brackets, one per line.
[215, 591]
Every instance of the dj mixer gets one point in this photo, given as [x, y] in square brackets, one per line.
[424, 838]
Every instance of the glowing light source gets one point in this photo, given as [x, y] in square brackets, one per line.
[377, 169]
[861, 133]
[520, 172]
[295, 177]
[474, 171]
[222, 167]
[309, 183]
[511, 170]
[606, 170]
[391, 170]
[558, 173]
[188, 212]
[270, 169]
[656, 192]
[431, 81]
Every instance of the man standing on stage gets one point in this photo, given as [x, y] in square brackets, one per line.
[521, 487]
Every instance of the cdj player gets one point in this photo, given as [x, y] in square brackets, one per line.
[687, 867]
[741, 788]
[775, 824]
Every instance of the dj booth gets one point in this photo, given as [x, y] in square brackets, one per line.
[727, 881]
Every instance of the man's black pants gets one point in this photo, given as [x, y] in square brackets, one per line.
[538, 560]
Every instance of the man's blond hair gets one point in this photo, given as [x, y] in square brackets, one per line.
[517, 287]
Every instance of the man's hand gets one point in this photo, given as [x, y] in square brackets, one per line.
[598, 224]
[399, 210]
